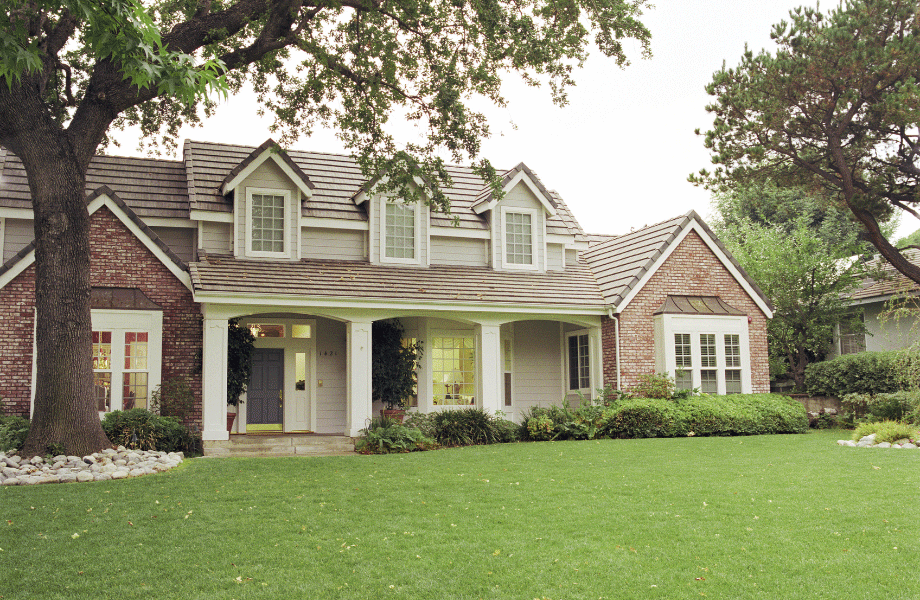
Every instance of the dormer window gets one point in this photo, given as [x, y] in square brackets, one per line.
[267, 231]
[400, 237]
[519, 238]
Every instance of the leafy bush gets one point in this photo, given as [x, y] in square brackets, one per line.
[385, 435]
[153, 431]
[887, 431]
[507, 431]
[860, 373]
[424, 422]
[465, 427]
[13, 432]
[545, 423]
[653, 385]
[173, 398]
[644, 417]
[896, 406]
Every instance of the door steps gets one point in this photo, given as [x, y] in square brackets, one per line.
[278, 444]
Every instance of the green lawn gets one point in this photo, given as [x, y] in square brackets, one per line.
[753, 517]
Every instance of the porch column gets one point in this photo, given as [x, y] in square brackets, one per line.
[214, 381]
[358, 402]
[596, 354]
[490, 360]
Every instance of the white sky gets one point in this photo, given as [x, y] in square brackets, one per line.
[620, 152]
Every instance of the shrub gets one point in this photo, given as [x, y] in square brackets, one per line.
[153, 432]
[860, 373]
[385, 435]
[895, 406]
[173, 398]
[887, 431]
[653, 385]
[549, 423]
[424, 422]
[465, 427]
[13, 432]
[644, 417]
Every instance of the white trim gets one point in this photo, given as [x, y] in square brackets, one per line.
[286, 194]
[546, 250]
[565, 240]
[2, 236]
[364, 195]
[17, 268]
[178, 223]
[460, 232]
[319, 223]
[18, 213]
[695, 226]
[196, 214]
[417, 213]
[586, 391]
[275, 155]
[534, 246]
[521, 176]
[298, 230]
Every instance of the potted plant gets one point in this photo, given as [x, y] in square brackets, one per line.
[239, 365]
[394, 361]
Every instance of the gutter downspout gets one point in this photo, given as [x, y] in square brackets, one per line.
[616, 338]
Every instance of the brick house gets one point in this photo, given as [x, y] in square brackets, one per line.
[515, 305]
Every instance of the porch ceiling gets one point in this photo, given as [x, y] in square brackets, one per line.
[574, 287]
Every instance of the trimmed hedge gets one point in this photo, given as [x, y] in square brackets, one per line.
[736, 414]
[153, 432]
[860, 373]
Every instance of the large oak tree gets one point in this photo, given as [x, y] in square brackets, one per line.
[72, 69]
[835, 110]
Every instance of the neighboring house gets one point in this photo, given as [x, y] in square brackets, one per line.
[515, 306]
[886, 302]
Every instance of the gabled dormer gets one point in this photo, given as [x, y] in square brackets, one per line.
[518, 220]
[399, 231]
[268, 189]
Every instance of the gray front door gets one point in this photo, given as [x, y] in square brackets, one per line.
[263, 396]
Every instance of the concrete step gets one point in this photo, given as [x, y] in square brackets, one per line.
[281, 445]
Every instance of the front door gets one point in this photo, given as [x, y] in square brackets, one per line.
[264, 399]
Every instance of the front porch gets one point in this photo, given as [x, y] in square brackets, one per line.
[282, 444]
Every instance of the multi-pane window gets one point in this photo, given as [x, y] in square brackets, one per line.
[732, 363]
[453, 368]
[518, 238]
[267, 228]
[579, 362]
[852, 337]
[400, 231]
[134, 377]
[709, 378]
[683, 359]
[133, 371]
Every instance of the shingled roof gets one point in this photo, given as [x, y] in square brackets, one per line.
[888, 282]
[361, 281]
[620, 263]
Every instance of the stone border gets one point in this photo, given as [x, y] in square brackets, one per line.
[100, 466]
[869, 442]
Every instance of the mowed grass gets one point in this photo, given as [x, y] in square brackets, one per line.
[748, 517]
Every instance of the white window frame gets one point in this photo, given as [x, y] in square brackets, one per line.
[250, 192]
[668, 325]
[417, 209]
[586, 391]
[536, 251]
[841, 336]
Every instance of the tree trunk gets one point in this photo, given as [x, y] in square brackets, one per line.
[65, 414]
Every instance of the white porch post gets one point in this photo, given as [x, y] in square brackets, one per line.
[490, 361]
[596, 353]
[214, 381]
[358, 402]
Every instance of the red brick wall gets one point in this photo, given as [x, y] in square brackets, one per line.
[119, 259]
[691, 270]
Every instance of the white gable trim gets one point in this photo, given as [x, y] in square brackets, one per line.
[711, 244]
[521, 176]
[268, 153]
[197, 214]
[366, 194]
[92, 207]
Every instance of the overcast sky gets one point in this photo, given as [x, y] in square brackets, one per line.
[620, 152]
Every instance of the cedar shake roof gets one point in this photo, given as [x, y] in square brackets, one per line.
[620, 263]
[151, 187]
[696, 305]
[358, 280]
[889, 282]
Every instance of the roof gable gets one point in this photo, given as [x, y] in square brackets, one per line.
[622, 265]
[105, 197]
[486, 199]
[269, 150]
